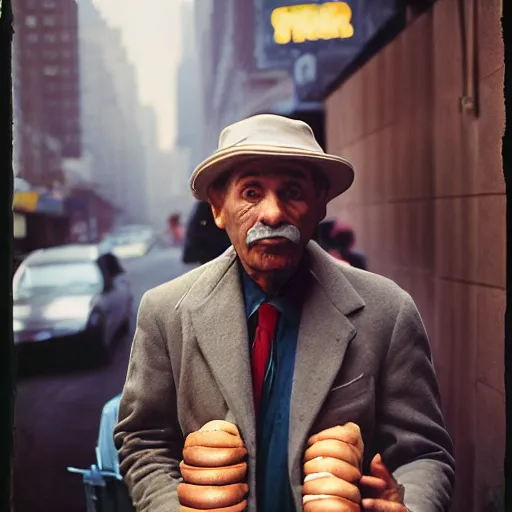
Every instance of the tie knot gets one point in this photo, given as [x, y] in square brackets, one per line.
[267, 317]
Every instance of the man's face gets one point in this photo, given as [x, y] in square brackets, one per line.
[273, 198]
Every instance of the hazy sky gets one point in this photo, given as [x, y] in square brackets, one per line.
[152, 40]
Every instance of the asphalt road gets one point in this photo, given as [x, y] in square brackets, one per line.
[57, 410]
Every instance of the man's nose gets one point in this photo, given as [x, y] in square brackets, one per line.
[272, 213]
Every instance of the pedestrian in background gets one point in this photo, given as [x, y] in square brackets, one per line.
[175, 229]
[342, 242]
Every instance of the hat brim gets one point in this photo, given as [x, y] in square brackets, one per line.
[337, 170]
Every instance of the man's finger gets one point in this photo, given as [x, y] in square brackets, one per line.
[335, 449]
[378, 505]
[348, 433]
[224, 475]
[373, 482]
[211, 496]
[336, 467]
[372, 487]
[379, 470]
[329, 504]
[332, 486]
[213, 439]
[239, 507]
[205, 457]
[224, 426]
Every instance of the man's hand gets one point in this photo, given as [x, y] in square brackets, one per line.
[332, 470]
[214, 470]
[386, 495]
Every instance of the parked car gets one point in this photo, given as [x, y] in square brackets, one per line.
[76, 295]
[133, 241]
[204, 241]
[105, 490]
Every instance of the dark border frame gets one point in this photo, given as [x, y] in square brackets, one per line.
[7, 389]
[506, 24]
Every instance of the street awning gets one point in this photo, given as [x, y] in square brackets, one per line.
[36, 202]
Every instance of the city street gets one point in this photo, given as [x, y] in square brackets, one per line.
[57, 411]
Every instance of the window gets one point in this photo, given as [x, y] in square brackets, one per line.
[65, 36]
[51, 70]
[52, 86]
[49, 21]
[30, 21]
[63, 278]
[49, 4]
[33, 38]
[50, 54]
[50, 38]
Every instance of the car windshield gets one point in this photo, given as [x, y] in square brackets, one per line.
[131, 237]
[59, 279]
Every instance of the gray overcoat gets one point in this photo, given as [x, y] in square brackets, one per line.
[362, 356]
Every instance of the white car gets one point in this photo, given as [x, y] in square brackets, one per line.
[76, 296]
[133, 241]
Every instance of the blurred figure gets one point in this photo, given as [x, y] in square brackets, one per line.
[339, 240]
[204, 241]
[175, 229]
[342, 242]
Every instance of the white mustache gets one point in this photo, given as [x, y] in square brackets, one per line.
[261, 232]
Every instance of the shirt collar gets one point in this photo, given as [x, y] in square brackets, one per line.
[288, 303]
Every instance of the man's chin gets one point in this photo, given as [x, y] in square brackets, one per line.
[276, 260]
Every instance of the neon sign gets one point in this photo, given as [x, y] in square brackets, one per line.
[311, 22]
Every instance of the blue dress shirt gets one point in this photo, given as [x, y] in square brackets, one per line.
[274, 492]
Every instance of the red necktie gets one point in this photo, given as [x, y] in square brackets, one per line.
[261, 349]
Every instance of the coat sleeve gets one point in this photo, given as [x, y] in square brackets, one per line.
[148, 436]
[410, 432]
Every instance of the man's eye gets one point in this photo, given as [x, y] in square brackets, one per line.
[250, 193]
[293, 193]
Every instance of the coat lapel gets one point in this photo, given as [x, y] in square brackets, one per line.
[324, 335]
[220, 326]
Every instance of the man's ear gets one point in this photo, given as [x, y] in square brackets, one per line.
[217, 205]
[322, 207]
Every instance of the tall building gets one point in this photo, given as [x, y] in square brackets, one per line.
[158, 167]
[47, 87]
[111, 116]
[232, 85]
[167, 182]
[189, 88]
[186, 153]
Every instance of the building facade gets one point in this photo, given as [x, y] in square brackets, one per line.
[111, 117]
[428, 208]
[189, 99]
[47, 87]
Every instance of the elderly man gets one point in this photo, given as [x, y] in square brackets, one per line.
[319, 373]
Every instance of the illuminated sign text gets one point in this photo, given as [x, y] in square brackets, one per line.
[311, 22]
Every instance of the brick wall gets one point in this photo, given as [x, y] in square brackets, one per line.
[428, 208]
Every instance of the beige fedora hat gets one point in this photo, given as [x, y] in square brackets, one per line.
[273, 138]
